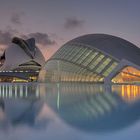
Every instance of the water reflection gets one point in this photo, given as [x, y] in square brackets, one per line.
[95, 107]
[86, 107]
[19, 90]
[129, 93]
[19, 104]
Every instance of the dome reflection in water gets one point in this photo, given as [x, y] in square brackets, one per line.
[95, 107]
[86, 107]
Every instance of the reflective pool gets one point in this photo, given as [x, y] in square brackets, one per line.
[69, 111]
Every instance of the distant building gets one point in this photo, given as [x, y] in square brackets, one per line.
[95, 58]
[21, 62]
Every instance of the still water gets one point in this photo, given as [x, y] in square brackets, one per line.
[69, 111]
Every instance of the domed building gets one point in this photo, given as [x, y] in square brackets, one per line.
[95, 58]
[21, 61]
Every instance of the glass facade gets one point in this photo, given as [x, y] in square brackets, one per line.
[12, 79]
[79, 63]
[127, 75]
[26, 72]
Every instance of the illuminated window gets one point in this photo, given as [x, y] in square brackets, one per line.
[80, 53]
[94, 63]
[70, 72]
[90, 58]
[110, 69]
[127, 75]
[74, 53]
[80, 60]
[103, 65]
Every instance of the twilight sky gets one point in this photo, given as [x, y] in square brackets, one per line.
[54, 22]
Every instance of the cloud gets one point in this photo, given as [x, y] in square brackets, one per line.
[73, 22]
[46, 42]
[41, 38]
[5, 37]
[16, 18]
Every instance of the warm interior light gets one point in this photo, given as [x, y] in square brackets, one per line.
[130, 92]
[127, 75]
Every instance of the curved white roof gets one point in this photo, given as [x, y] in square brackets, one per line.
[16, 55]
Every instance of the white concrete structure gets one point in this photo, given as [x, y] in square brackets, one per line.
[21, 58]
[95, 58]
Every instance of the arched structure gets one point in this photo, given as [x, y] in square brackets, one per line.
[21, 62]
[95, 58]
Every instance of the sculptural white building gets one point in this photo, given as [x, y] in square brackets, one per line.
[21, 61]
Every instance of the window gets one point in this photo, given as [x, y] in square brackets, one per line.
[79, 54]
[103, 65]
[90, 58]
[73, 53]
[110, 69]
[95, 62]
[80, 60]
[66, 52]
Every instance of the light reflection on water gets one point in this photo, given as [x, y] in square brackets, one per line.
[69, 111]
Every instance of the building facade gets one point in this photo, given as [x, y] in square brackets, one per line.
[98, 58]
[21, 61]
